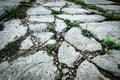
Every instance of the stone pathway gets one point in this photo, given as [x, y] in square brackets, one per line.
[53, 50]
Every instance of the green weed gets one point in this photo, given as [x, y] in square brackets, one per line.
[50, 48]
[109, 43]
[63, 65]
[56, 12]
[87, 33]
[71, 23]
[50, 28]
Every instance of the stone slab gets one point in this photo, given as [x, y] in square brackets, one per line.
[82, 18]
[75, 37]
[13, 30]
[111, 62]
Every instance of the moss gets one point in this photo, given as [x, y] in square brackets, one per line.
[50, 48]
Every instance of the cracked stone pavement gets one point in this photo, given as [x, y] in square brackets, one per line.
[81, 54]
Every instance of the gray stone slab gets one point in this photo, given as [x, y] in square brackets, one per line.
[75, 11]
[27, 43]
[55, 4]
[60, 25]
[82, 18]
[39, 10]
[13, 30]
[38, 26]
[111, 62]
[104, 29]
[88, 71]
[43, 36]
[44, 18]
[75, 37]
[110, 8]
[98, 2]
[67, 54]
[38, 66]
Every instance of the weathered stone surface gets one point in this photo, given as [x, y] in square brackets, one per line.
[60, 25]
[75, 11]
[82, 18]
[75, 37]
[38, 26]
[38, 66]
[72, 5]
[39, 10]
[13, 30]
[105, 29]
[67, 54]
[110, 8]
[87, 71]
[45, 18]
[55, 4]
[56, 8]
[111, 62]
[51, 41]
[98, 2]
[27, 43]
[43, 36]
[14, 1]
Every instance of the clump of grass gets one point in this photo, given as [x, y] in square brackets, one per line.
[16, 12]
[56, 12]
[109, 43]
[63, 65]
[71, 23]
[87, 33]
[110, 16]
[11, 49]
[50, 48]
[50, 28]
[26, 4]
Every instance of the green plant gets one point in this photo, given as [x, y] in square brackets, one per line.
[16, 12]
[26, 4]
[50, 48]
[110, 16]
[63, 65]
[87, 33]
[109, 43]
[56, 12]
[50, 28]
[71, 23]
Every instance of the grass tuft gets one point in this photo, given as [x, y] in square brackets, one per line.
[87, 33]
[71, 23]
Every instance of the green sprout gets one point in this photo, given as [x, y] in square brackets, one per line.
[56, 12]
[87, 33]
[109, 43]
[50, 48]
[50, 28]
[63, 65]
[71, 23]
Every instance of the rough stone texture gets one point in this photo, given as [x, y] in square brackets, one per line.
[45, 18]
[105, 29]
[98, 2]
[39, 10]
[82, 18]
[75, 11]
[110, 62]
[67, 54]
[38, 26]
[74, 37]
[27, 43]
[110, 8]
[56, 8]
[43, 36]
[55, 4]
[60, 25]
[38, 66]
[87, 71]
[51, 41]
[13, 30]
